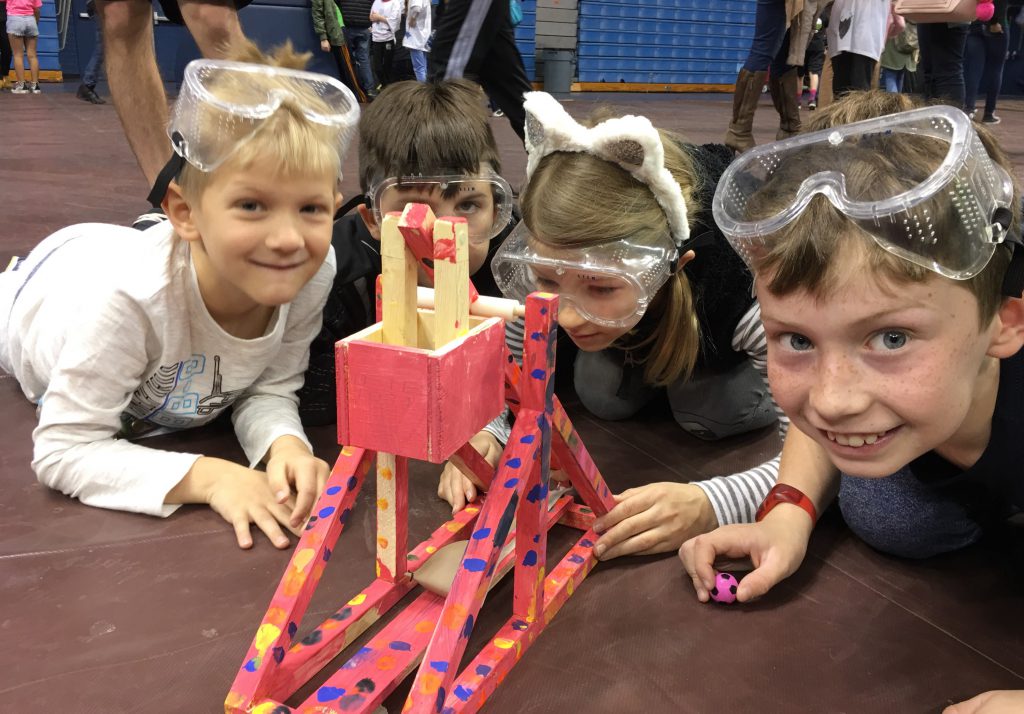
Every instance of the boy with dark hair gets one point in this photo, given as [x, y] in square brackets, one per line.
[418, 142]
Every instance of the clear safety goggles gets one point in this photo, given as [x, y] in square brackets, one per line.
[222, 104]
[610, 284]
[973, 193]
[484, 200]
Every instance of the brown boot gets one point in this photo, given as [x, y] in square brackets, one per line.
[740, 137]
[783, 90]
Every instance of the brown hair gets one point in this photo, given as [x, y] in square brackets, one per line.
[817, 250]
[291, 142]
[425, 128]
[566, 185]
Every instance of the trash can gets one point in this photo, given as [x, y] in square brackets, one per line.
[559, 69]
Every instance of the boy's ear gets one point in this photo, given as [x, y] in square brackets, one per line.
[1008, 338]
[368, 218]
[179, 213]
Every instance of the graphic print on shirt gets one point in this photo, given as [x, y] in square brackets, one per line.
[172, 397]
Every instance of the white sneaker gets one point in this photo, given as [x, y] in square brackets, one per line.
[35, 88]
[19, 88]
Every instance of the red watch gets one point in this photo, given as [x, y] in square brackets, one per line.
[784, 493]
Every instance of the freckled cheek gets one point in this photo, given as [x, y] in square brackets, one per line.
[789, 387]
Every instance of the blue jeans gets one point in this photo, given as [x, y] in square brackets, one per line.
[983, 67]
[419, 64]
[768, 49]
[892, 79]
[358, 41]
[91, 75]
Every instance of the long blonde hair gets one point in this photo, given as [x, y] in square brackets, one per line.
[567, 186]
[287, 139]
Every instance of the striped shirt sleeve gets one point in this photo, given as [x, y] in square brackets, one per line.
[500, 427]
[735, 498]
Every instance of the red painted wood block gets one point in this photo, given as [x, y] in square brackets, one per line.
[419, 403]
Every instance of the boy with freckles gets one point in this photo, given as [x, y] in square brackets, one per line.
[889, 269]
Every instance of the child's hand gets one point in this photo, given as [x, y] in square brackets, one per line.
[776, 546]
[242, 496]
[995, 702]
[290, 464]
[656, 518]
[458, 486]
[325, 45]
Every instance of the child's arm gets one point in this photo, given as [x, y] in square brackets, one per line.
[778, 543]
[1004, 701]
[266, 417]
[658, 517]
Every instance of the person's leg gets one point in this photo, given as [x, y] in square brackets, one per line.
[377, 61]
[902, 516]
[942, 54]
[606, 389]
[783, 80]
[995, 58]
[134, 79]
[888, 80]
[6, 53]
[769, 32]
[213, 25]
[862, 72]
[346, 72]
[18, 48]
[33, 58]
[358, 40]
[974, 67]
[419, 64]
[503, 74]
[91, 74]
[841, 74]
[714, 405]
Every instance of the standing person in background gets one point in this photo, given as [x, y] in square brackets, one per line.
[23, 31]
[329, 25]
[987, 43]
[814, 61]
[417, 35]
[856, 37]
[91, 75]
[134, 77]
[357, 37]
[386, 16]
[6, 54]
[899, 58]
[782, 30]
[475, 39]
[942, 61]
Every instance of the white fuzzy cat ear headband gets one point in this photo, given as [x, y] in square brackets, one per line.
[632, 142]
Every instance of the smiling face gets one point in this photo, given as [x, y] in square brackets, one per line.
[258, 237]
[879, 372]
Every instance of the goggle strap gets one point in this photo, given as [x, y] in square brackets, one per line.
[1013, 281]
[167, 174]
[357, 200]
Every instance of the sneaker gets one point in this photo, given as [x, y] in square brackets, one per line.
[972, 114]
[19, 88]
[150, 218]
[35, 88]
[88, 94]
[990, 119]
[497, 113]
[813, 104]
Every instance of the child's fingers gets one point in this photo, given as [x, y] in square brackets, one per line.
[277, 479]
[468, 488]
[242, 534]
[760, 580]
[267, 523]
[305, 490]
[698, 556]
[623, 510]
[625, 537]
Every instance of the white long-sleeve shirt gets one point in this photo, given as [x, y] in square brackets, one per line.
[105, 328]
[392, 10]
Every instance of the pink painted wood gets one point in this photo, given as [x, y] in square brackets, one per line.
[255, 680]
[373, 672]
[486, 671]
[536, 392]
[417, 227]
[469, 588]
[472, 459]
